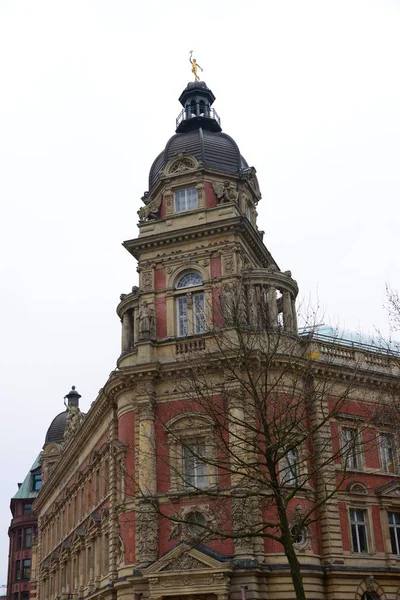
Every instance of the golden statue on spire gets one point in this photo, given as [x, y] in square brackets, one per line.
[195, 66]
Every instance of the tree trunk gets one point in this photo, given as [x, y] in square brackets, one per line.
[290, 552]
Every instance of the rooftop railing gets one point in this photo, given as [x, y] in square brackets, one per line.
[186, 114]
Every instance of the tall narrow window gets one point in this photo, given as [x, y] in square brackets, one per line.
[18, 570]
[394, 529]
[26, 569]
[358, 524]
[185, 199]
[194, 465]
[182, 316]
[291, 470]
[106, 476]
[199, 324]
[386, 445]
[19, 539]
[351, 448]
[190, 308]
[28, 537]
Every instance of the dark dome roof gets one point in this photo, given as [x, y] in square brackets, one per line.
[55, 432]
[214, 149]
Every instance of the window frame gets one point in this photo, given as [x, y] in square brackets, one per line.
[181, 196]
[392, 447]
[190, 305]
[182, 431]
[357, 525]
[356, 448]
[28, 537]
[396, 528]
[17, 570]
[291, 471]
[36, 482]
[27, 508]
[26, 569]
[192, 454]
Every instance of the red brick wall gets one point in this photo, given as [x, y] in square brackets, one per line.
[127, 528]
[161, 317]
[216, 267]
[210, 197]
[159, 279]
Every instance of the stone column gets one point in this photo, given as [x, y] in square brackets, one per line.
[294, 315]
[272, 307]
[252, 306]
[126, 333]
[287, 311]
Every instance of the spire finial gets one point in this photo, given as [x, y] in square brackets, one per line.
[195, 66]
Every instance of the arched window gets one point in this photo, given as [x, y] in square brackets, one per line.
[370, 596]
[190, 307]
[192, 452]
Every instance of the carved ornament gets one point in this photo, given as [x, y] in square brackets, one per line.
[151, 210]
[225, 192]
[184, 562]
[181, 164]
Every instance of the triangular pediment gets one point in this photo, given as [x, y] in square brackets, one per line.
[186, 558]
[391, 489]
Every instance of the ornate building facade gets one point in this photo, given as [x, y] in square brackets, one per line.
[136, 479]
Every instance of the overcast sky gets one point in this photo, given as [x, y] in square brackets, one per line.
[310, 91]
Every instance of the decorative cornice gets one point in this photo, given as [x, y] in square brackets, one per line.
[237, 224]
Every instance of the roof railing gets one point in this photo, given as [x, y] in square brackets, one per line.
[207, 112]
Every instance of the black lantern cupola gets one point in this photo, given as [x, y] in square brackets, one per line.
[73, 397]
[197, 100]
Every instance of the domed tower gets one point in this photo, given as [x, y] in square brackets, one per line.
[198, 237]
[59, 432]
[199, 216]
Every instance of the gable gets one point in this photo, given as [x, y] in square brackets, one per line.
[389, 490]
[185, 558]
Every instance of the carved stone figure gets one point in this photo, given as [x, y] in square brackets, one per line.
[151, 210]
[225, 192]
[74, 419]
[146, 321]
[121, 551]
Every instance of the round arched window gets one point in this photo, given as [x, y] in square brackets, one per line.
[190, 306]
[189, 279]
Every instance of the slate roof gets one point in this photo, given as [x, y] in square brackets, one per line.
[214, 149]
[25, 489]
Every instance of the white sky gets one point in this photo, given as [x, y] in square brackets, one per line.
[309, 90]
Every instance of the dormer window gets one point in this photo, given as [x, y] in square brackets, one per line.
[36, 482]
[190, 307]
[186, 199]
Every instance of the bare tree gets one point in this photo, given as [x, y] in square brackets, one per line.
[252, 429]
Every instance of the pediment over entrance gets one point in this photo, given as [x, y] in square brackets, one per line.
[185, 558]
[391, 489]
[186, 571]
